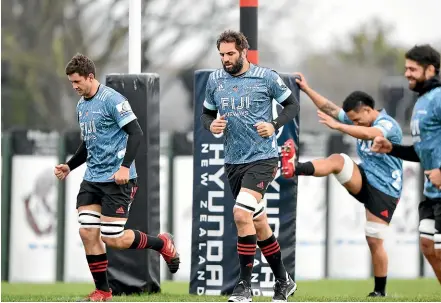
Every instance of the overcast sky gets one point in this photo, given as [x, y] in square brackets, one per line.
[414, 21]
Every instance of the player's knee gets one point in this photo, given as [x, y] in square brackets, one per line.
[437, 244]
[242, 217]
[375, 234]
[246, 205]
[112, 233]
[344, 168]
[89, 235]
[374, 243]
[260, 222]
[90, 222]
[427, 248]
[427, 231]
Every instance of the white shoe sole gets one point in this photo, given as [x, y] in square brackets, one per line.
[239, 299]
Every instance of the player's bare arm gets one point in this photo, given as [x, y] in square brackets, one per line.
[320, 101]
[359, 132]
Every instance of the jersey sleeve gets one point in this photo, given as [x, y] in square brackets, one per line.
[386, 127]
[209, 93]
[277, 88]
[121, 111]
[343, 118]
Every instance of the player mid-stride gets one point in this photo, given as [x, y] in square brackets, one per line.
[110, 136]
[242, 93]
[375, 182]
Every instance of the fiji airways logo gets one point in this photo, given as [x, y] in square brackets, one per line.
[236, 103]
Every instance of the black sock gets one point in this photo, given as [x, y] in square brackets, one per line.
[380, 284]
[144, 241]
[305, 169]
[271, 250]
[246, 248]
[98, 268]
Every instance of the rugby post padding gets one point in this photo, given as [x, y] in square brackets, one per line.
[135, 271]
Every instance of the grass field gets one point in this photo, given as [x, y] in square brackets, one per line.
[420, 290]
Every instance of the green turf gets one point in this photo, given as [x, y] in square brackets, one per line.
[420, 290]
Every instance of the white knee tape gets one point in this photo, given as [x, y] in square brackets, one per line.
[346, 173]
[247, 202]
[259, 211]
[375, 230]
[427, 228]
[113, 229]
[89, 219]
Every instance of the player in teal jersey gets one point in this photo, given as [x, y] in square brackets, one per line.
[422, 72]
[110, 136]
[242, 93]
[375, 182]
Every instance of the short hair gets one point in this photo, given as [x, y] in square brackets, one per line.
[80, 64]
[356, 100]
[424, 55]
[238, 38]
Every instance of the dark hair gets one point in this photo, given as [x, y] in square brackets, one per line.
[424, 55]
[232, 36]
[80, 64]
[356, 100]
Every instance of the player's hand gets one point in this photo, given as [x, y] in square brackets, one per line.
[381, 145]
[302, 82]
[434, 175]
[218, 125]
[61, 171]
[264, 129]
[121, 176]
[327, 120]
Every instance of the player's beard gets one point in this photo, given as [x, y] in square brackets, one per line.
[235, 68]
[419, 84]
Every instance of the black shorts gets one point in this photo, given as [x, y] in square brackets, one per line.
[256, 175]
[378, 203]
[115, 200]
[431, 209]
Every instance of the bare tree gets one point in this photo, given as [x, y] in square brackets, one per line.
[369, 59]
[39, 37]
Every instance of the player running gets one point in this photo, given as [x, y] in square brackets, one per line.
[242, 93]
[375, 182]
[422, 71]
[110, 139]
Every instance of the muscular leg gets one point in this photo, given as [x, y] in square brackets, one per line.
[437, 238]
[344, 169]
[270, 247]
[374, 229]
[427, 245]
[246, 203]
[349, 175]
[115, 236]
[89, 219]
